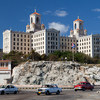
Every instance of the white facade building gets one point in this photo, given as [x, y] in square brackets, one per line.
[36, 37]
[87, 44]
[90, 45]
[5, 70]
[78, 29]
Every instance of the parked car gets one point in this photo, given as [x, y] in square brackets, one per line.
[48, 89]
[83, 86]
[7, 89]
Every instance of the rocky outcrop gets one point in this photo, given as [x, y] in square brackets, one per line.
[61, 73]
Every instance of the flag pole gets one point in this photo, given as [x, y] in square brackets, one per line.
[73, 46]
[73, 54]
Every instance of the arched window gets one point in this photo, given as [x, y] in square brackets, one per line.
[75, 25]
[31, 20]
[80, 25]
[37, 20]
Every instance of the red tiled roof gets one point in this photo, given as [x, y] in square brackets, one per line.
[36, 13]
[5, 61]
[78, 20]
[3, 68]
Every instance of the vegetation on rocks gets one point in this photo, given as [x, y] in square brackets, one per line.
[18, 57]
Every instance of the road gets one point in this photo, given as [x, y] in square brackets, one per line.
[65, 95]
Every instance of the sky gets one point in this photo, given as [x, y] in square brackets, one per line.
[58, 14]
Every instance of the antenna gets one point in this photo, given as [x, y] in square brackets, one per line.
[78, 17]
[35, 10]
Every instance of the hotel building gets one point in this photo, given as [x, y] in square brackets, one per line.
[36, 37]
[46, 41]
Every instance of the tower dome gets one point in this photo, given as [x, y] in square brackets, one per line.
[42, 26]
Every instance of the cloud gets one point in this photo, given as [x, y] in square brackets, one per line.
[61, 13]
[96, 10]
[61, 27]
[98, 17]
[47, 12]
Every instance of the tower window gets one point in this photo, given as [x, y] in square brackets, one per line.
[75, 25]
[80, 25]
[37, 20]
[31, 20]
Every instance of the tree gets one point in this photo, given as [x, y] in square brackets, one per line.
[34, 56]
[43, 57]
[52, 57]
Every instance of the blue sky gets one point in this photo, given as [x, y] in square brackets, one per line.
[14, 14]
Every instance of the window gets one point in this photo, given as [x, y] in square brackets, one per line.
[31, 20]
[14, 48]
[17, 39]
[24, 35]
[17, 43]
[14, 39]
[17, 48]
[14, 35]
[24, 40]
[17, 35]
[75, 25]
[24, 48]
[80, 25]
[37, 20]
[6, 64]
[14, 43]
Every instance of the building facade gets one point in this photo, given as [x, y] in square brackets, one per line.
[78, 29]
[87, 44]
[66, 44]
[36, 37]
[46, 41]
[17, 41]
[90, 45]
[5, 70]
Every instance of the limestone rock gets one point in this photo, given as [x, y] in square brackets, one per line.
[61, 73]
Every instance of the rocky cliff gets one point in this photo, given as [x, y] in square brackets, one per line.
[61, 73]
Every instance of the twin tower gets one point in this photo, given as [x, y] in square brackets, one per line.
[35, 23]
[78, 29]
